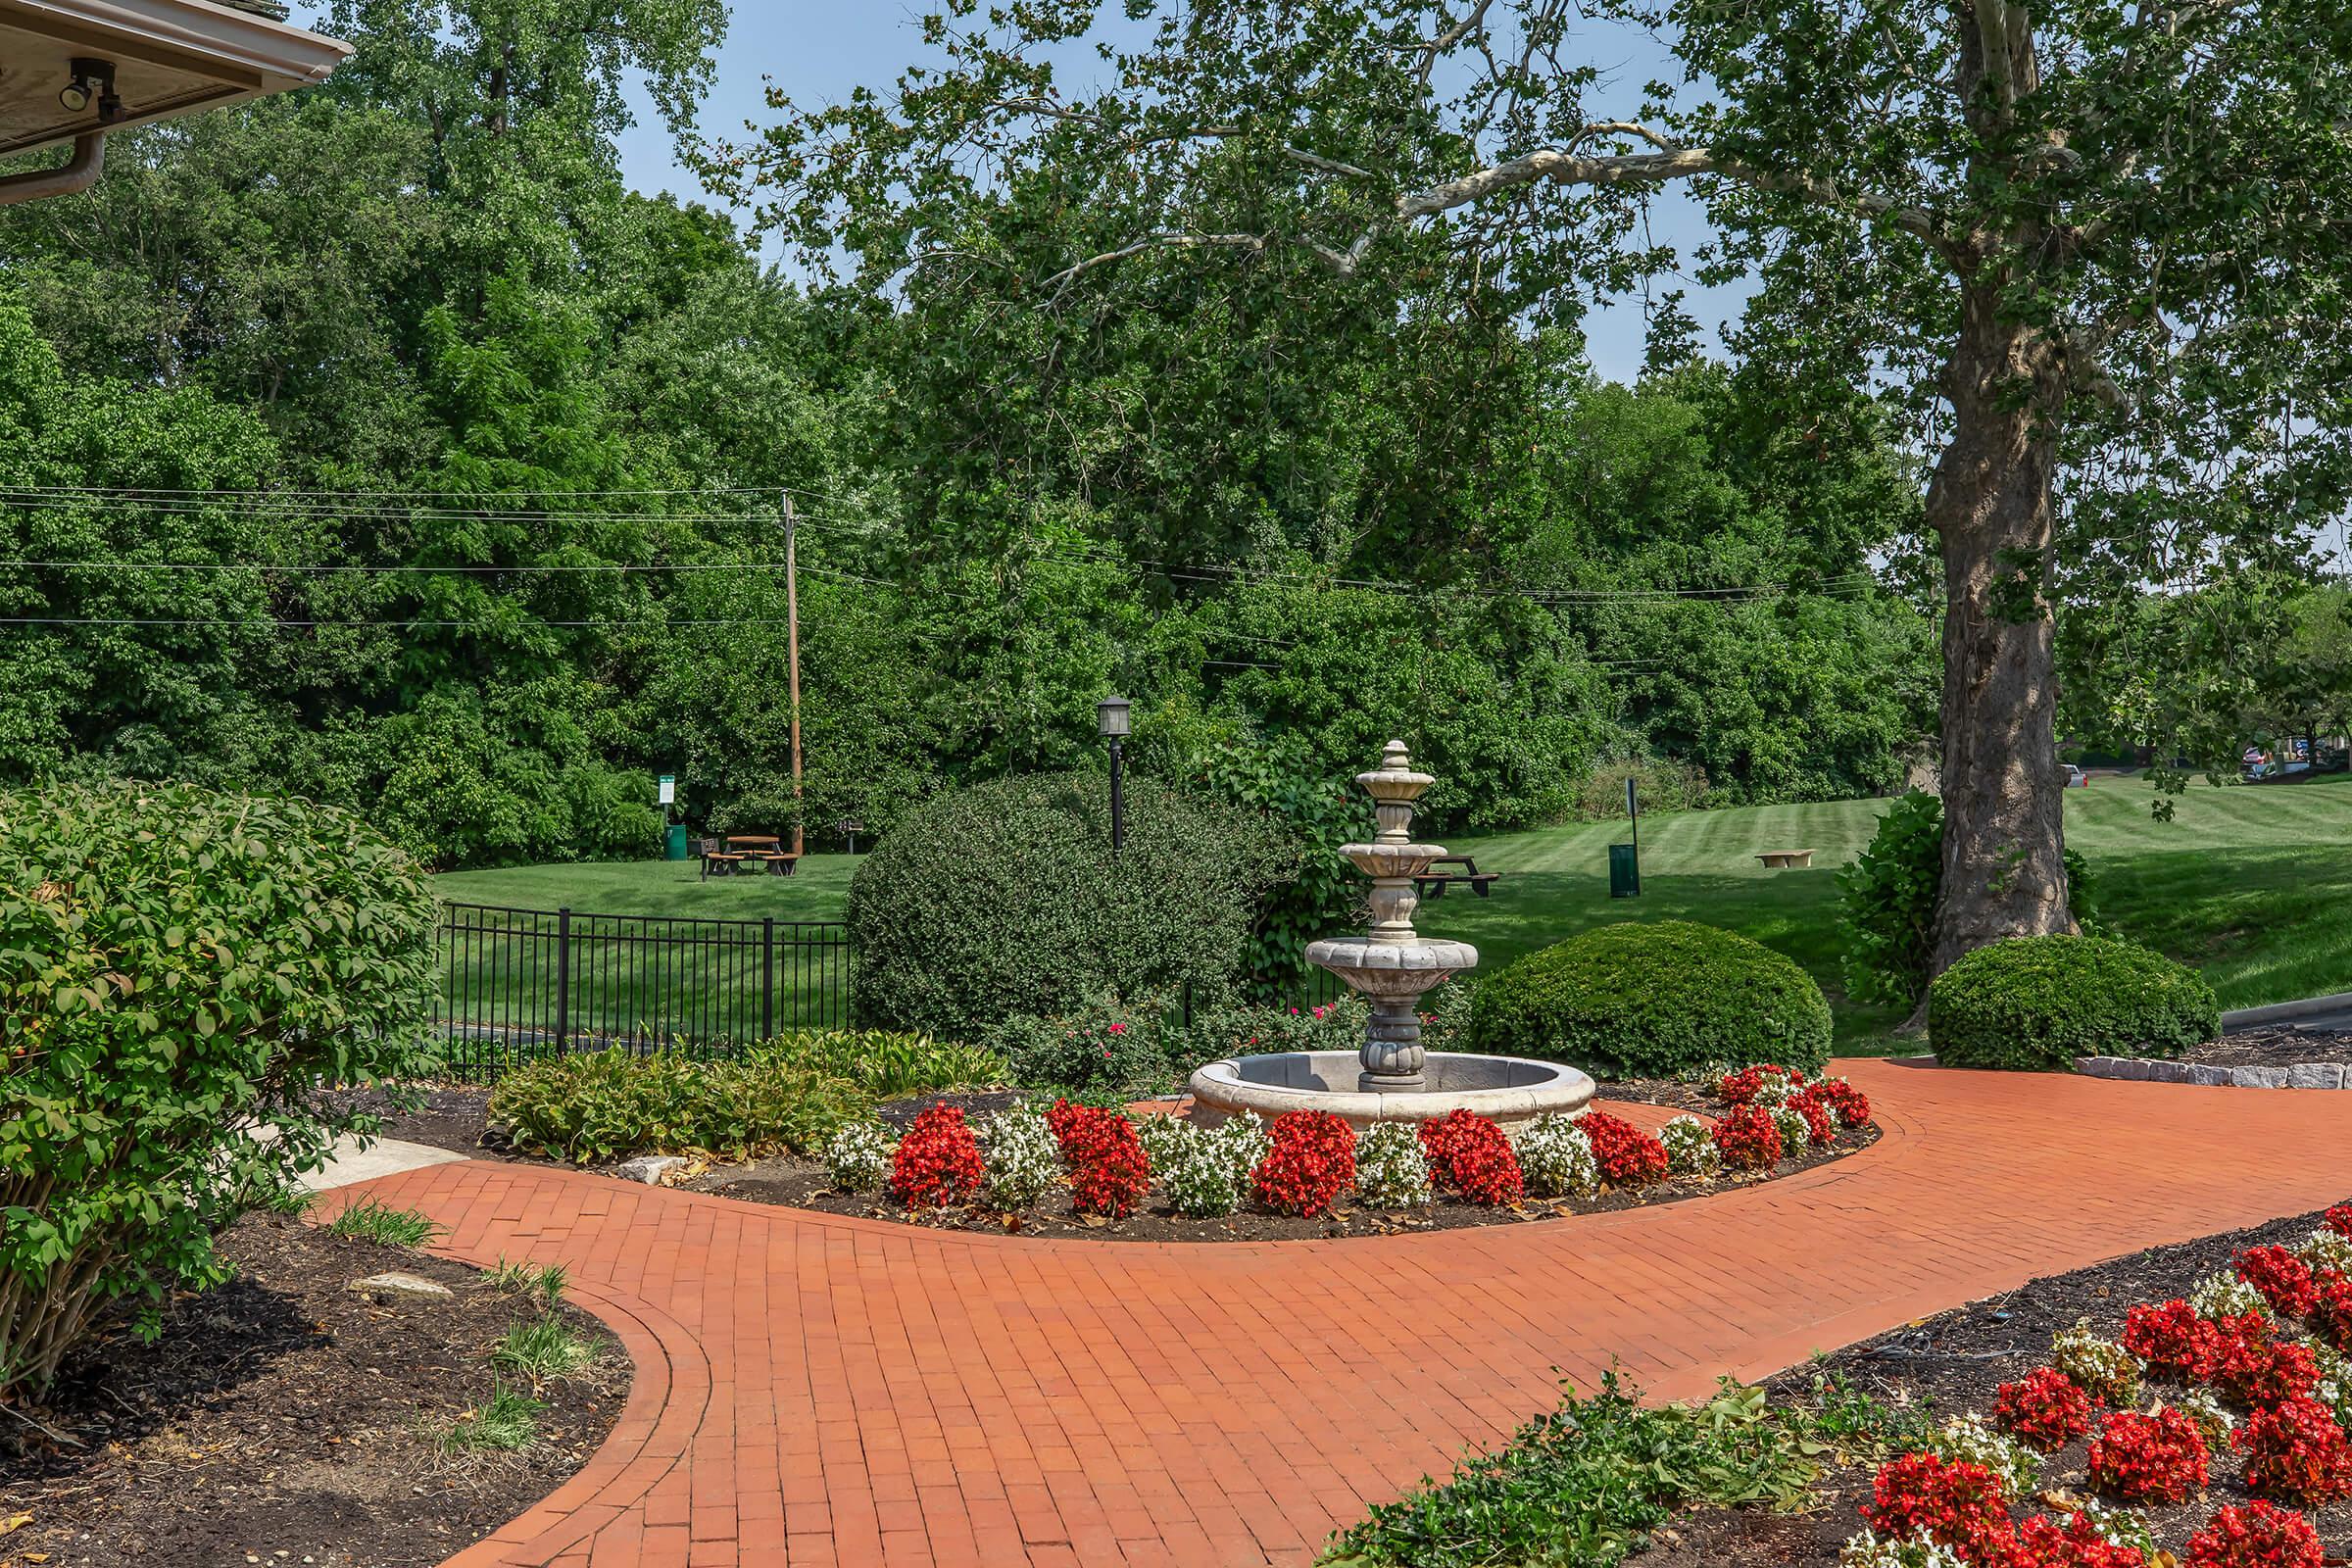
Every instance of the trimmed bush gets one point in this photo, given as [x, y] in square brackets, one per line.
[1652, 1001]
[184, 968]
[1002, 900]
[609, 1105]
[2034, 1004]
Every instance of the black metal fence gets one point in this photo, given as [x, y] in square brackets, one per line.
[519, 984]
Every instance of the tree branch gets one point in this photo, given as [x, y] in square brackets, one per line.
[1165, 240]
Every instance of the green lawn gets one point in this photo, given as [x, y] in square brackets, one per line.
[2250, 885]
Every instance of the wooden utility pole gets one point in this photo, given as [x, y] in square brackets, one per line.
[792, 639]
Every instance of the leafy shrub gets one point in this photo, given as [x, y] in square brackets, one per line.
[1104, 1048]
[2296, 1454]
[891, 1065]
[1004, 900]
[184, 969]
[2034, 1004]
[2101, 1368]
[609, 1105]
[1258, 1031]
[2256, 1535]
[1887, 896]
[938, 1162]
[1310, 1160]
[1468, 1155]
[1653, 1001]
[1392, 1169]
[1318, 810]
[1556, 1158]
[1625, 1154]
[1585, 1483]
[858, 1156]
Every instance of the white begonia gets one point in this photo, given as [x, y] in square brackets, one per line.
[1689, 1147]
[2100, 1367]
[858, 1156]
[2120, 1527]
[2326, 1249]
[1391, 1169]
[1556, 1159]
[1796, 1134]
[2333, 1387]
[1244, 1136]
[1021, 1162]
[1869, 1550]
[1971, 1440]
[1163, 1138]
[2213, 1418]
[1776, 1091]
[1208, 1174]
[2221, 1296]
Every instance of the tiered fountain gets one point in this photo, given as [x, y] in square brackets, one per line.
[1391, 967]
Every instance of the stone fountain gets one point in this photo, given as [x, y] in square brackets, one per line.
[1391, 967]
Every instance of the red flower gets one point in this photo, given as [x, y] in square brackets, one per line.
[1469, 1154]
[1740, 1088]
[2043, 1542]
[2258, 1369]
[2332, 1308]
[2045, 1410]
[2256, 1536]
[1310, 1160]
[938, 1161]
[1852, 1105]
[1109, 1172]
[2172, 1339]
[1949, 1501]
[2148, 1458]
[2283, 1278]
[1748, 1139]
[2297, 1453]
[1625, 1154]
[1821, 1122]
[2338, 1219]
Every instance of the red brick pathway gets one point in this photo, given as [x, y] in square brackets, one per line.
[813, 1390]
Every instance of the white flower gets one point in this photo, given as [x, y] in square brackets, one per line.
[2221, 1296]
[1689, 1147]
[1556, 1159]
[1867, 1550]
[2121, 1527]
[1245, 1136]
[1796, 1134]
[1391, 1169]
[1022, 1161]
[2101, 1366]
[1207, 1174]
[2205, 1409]
[1776, 1091]
[858, 1156]
[2326, 1249]
[1163, 1137]
[1968, 1438]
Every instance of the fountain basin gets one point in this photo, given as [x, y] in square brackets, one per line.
[1510, 1090]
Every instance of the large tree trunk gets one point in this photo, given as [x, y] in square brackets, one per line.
[2004, 843]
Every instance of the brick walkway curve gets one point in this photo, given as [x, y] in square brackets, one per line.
[814, 1389]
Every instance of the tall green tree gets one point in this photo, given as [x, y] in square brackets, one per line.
[2094, 247]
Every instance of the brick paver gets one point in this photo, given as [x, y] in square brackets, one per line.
[813, 1390]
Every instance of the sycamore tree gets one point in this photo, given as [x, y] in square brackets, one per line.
[2096, 250]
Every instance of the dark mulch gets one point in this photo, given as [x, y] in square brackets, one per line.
[452, 1116]
[285, 1419]
[1956, 1362]
[2277, 1046]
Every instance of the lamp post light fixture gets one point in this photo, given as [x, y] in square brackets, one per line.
[1114, 719]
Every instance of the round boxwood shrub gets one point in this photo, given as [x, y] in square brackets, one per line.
[2034, 1004]
[184, 969]
[1004, 899]
[1650, 1001]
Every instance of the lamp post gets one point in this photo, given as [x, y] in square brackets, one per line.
[1112, 715]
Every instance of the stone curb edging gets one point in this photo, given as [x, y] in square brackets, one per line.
[2285, 1011]
[2302, 1075]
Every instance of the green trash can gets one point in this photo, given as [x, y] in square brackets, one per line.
[1625, 871]
[677, 842]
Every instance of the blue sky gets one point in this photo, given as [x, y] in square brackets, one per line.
[817, 50]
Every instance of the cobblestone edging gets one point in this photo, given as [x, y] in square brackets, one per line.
[2303, 1075]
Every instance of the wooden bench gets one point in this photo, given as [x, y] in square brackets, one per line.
[778, 862]
[1786, 860]
[719, 862]
[1432, 885]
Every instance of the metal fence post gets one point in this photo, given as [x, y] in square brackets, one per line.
[767, 978]
[563, 979]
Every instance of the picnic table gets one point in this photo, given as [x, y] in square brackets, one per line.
[1786, 860]
[1432, 885]
[729, 855]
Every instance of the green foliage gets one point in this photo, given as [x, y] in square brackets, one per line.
[1320, 811]
[1004, 900]
[184, 969]
[545, 1349]
[1253, 1031]
[1102, 1048]
[542, 1285]
[889, 1065]
[373, 1220]
[2034, 1004]
[1584, 1486]
[1888, 897]
[599, 1105]
[1653, 1001]
[505, 1422]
